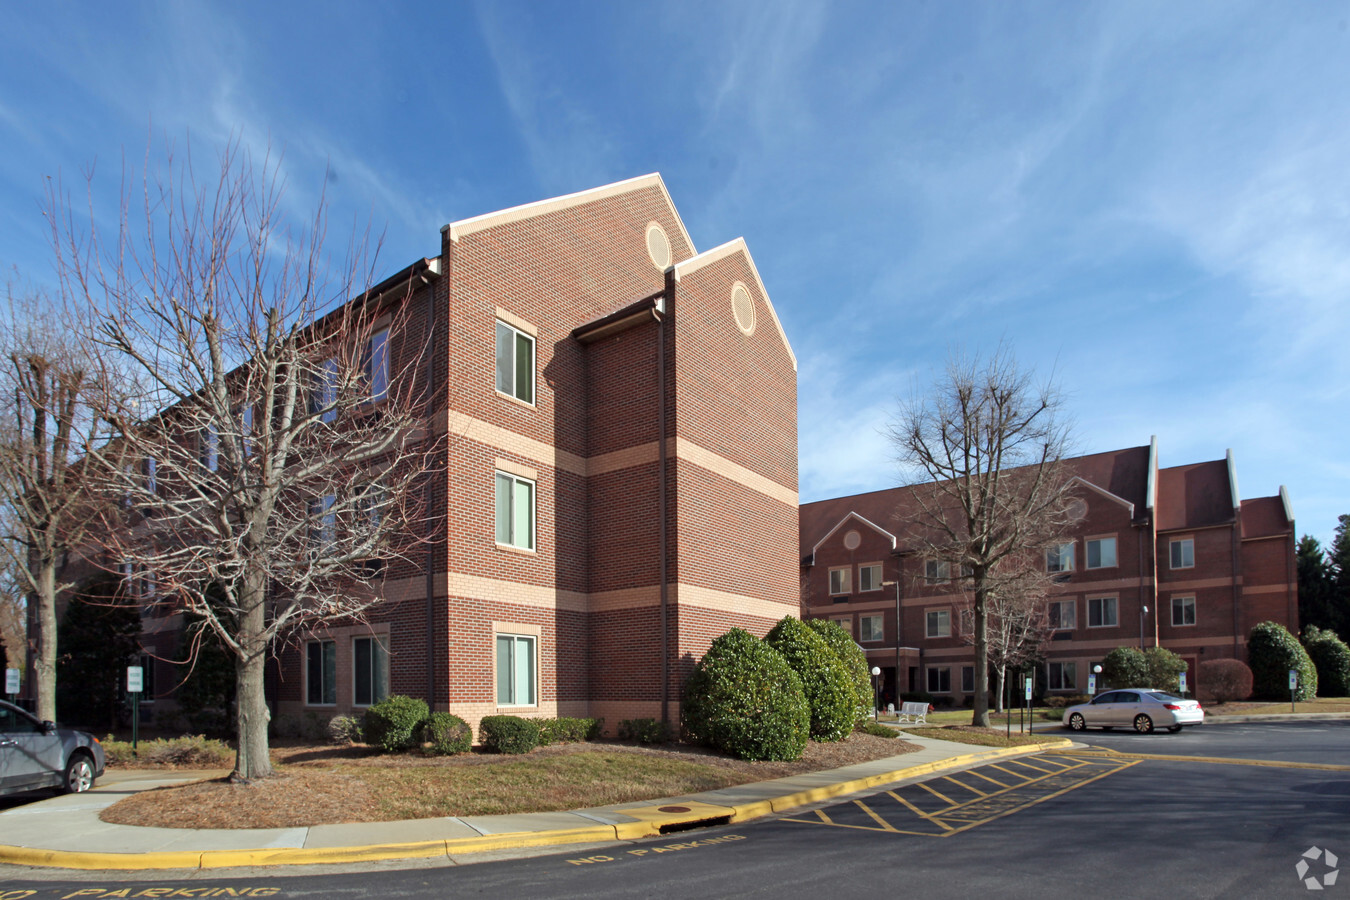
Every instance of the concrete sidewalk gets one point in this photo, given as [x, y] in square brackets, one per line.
[66, 831]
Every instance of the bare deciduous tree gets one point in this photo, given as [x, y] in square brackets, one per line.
[985, 445]
[1017, 618]
[274, 481]
[48, 386]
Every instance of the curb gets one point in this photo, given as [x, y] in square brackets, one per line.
[651, 825]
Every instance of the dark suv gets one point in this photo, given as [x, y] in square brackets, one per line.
[36, 754]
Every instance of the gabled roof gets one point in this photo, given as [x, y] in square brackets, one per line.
[1266, 516]
[1195, 496]
[735, 246]
[474, 224]
[853, 516]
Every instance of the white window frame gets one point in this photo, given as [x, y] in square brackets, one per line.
[1102, 607]
[510, 538]
[324, 688]
[377, 364]
[871, 628]
[937, 623]
[1180, 605]
[1186, 548]
[516, 642]
[1058, 608]
[1065, 667]
[1101, 543]
[841, 581]
[869, 578]
[379, 670]
[1056, 556]
[508, 338]
[844, 622]
[937, 571]
[942, 673]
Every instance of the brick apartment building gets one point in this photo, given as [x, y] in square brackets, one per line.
[1169, 557]
[621, 450]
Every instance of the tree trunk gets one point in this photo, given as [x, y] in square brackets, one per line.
[980, 716]
[44, 657]
[252, 760]
[1000, 675]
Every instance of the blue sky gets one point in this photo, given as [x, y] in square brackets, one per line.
[1149, 200]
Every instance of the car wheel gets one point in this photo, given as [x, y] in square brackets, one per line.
[1173, 729]
[79, 774]
[1076, 722]
[1143, 724]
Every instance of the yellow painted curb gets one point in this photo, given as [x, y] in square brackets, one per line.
[651, 821]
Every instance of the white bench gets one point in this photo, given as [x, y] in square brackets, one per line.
[912, 713]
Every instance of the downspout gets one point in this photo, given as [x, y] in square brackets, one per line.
[432, 388]
[663, 305]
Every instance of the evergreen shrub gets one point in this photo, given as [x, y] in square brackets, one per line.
[1223, 680]
[1331, 658]
[394, 725]
[829, 689]
[744, 699]
[508, 734]
[1271, 652]
[854, 660]
[445, 734]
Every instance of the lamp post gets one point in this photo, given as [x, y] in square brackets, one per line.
[896, 585]
[876, 704]
[1143, 611]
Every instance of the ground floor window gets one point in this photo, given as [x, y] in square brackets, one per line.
[967, 679]
[1063, 676]
[516, 674]
[370, 666]
[940, 680]
[321, 673]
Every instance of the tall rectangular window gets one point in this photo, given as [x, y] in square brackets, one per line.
[209, 447]
[515, 363]
[1183, 553]
[869, 628]
[840, 581]
[321, 673]
[967, 679]
[937, 570]
[1059, 558]
[151, 475]
[1101, 553]
[1064, 615]
[938, 623]
[370, 667]
[324, 396]
[1062, 676]
[323, 523]
[377, 364]
[1183, 611]
[515, 511]
[245, 414]
[515, 670]
[1101, 612]
[940, 680]
[869, 578]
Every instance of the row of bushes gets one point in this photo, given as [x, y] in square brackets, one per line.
[763, 699]
[403, 723]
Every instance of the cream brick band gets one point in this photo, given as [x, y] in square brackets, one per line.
[643, 454]
[474, 587]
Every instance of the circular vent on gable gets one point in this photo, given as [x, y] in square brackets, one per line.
[658, 246]
[852, 540]
[743, 308]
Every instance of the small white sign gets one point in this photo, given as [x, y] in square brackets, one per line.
[1183, 682]
[11, 681]
[1029, 684]
[1293, 679]
[134, 679]
[1092, 684]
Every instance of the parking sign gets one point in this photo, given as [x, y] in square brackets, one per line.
[11, 681]
[1183, 682]
[1293, 679]
[134, 679]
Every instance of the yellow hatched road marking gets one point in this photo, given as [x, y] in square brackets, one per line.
[978, 774]
[1035, 768]
[1033, 802]
[918, 812]
[943, 797]
[966, 786]
[885, 826]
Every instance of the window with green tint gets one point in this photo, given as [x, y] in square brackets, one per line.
[321, 673]
[515, 363]
[515, 511]
[515, 670]
[370, 662]
[1101, 553]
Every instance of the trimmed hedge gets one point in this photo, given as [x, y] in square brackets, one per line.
[565, 730]
[1271, 652]
[854, 660]
[644, 731]
[878, 730]
[508, 734]
[394, 725]
[1331, 657]
[826, 683]
[744, 699]
[446, 734]
[1125, 667]
[1222, 680]
[344, 730]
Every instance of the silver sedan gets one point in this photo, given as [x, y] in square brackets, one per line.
[1142, 709]
[36, 754]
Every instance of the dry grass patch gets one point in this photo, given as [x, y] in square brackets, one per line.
[1260, 708]
[318, 786]
[984, 737]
